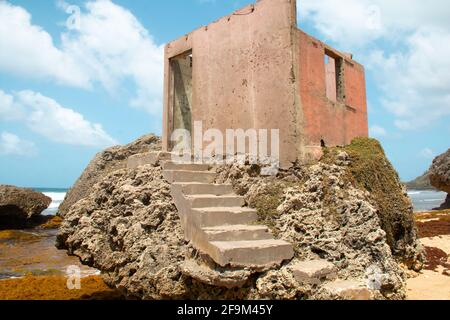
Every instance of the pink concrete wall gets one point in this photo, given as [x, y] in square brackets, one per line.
[255, 69]
[334, 122]
[243, 72]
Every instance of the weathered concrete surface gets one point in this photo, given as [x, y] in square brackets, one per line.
[253, 69]
[190, 188]
[238, 233]
[189, 176]
[208, 217]
[257, 253]
[245, 246]
[313, 271]
[235, 62]
[335, 122]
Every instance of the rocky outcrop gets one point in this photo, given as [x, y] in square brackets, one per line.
[369, 170]
[20, 207]
[440, 172]
[129, 228]
[420, 183]
[440, 176]
[446, 204]
[327, 214]
[110, 160]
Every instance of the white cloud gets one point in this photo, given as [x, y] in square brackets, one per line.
[346, 22]
[356, 23]
[8, 109]
[46, 117]
[427, 153]
[112, 45]
[109, 47]
[377, 131]
[12, 145]
[414, 76]
[28, 50]
[416, 83]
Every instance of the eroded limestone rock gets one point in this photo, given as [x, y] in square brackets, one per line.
[440, 172]
[18, 206]
[105, 162]
[207, 275]
[129, 228]
[440, 176]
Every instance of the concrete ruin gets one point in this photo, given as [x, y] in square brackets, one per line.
[254, 69]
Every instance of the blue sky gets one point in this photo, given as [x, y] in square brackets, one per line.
[68, 90]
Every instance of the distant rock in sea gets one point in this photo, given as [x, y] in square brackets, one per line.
[446, 204]
[421, 183]
[440, 172]
[105, 162]
[19, 207]
[440, 176]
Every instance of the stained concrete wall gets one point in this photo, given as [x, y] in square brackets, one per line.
[255, 69]
[334, 122]
[243, 72]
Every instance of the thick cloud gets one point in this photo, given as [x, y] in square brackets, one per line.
[47, 118]
[108, 46]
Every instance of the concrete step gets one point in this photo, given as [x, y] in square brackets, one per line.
[238, 233]
[220, 216]
[204, 188]
[313, 271]
[348, 290]
[148, 158]
[210, 200]
[260, 253]
[170, 165]
[173, 176]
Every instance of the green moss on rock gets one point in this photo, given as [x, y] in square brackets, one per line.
[370, 170]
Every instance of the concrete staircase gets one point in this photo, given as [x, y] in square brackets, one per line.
[214, 217]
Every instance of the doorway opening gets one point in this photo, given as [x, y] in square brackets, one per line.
[181, 93]
[334, 76]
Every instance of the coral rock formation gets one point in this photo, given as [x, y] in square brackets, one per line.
[440, 176]
[19, 207]
[110, 160]
[440, 172]
[129, 228]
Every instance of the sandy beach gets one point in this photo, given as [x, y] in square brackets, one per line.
[433, 283]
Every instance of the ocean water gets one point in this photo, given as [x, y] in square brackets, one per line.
[425, 200]
[57, 196]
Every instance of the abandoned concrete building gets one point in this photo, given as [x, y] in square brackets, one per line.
[255, 69]
[252, 69]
